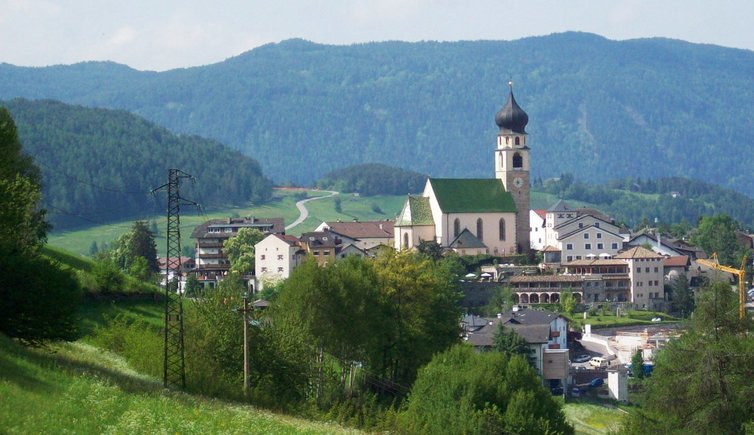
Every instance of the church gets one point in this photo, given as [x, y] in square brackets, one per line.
[472, 215]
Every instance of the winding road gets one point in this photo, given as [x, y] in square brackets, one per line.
[303, 212]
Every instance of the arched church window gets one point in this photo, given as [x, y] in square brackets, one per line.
[502, 160]
[456, 227]
[518, 140]
[518, 161]
[479, 229]
[501, 229]
[405, 240]
[507, 140]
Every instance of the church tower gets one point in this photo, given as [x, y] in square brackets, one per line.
[512, 163]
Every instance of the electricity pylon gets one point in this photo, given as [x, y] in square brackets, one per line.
[174, 374]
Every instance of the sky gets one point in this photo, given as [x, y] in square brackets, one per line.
[159, 35]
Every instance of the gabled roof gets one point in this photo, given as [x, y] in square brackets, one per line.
[287, 238]
[677, 261]
[550, 248]
[542, 213]
[584, 216]
[560, 206]
[320, 239]
[363, 230]
[637, 252]
[416, 211]
[579, 230]
[466, 240]
[532, 325]
[472, 195]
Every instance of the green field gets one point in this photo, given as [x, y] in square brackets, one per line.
[282, 205]
[78, 388]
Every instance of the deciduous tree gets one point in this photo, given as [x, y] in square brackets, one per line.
[240, 250]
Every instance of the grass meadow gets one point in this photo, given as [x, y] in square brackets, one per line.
[77, 388]
[282, 205]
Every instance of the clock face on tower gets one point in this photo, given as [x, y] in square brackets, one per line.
[518, 182]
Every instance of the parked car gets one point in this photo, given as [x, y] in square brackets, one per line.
[596, 382]
[582, 358]
[556, 391]
[598, 362]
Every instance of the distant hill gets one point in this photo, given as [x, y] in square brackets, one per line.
[598, 108]
[669, 200]
[99, 165]
[374, 179]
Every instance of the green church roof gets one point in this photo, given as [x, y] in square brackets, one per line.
[472, 195]
[418, 213]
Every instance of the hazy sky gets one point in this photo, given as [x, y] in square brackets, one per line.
[165, 34]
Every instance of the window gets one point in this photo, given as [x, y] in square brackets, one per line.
[315, 253]
[600, 246]
[578, 257]
[518, 142]
[501, 228]
[657, 282]
[599, 235]
[597, 224]
[587, 246]
[405, 240]
[518, 161]
[280, 269]
[569, 258]
[264, 269]
[586, 236]
[479, 229]
[456, 228]
[569, 246]
[657, 269]
[262, 256]
[581, 224]
[615, 246]
[646, 269]
[638, 270]
[280, 257]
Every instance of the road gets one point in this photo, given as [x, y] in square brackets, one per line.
[303, 212]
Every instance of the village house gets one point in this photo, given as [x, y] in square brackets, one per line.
[211, 262]
[363, 235]
[275, 257]
[545, 332]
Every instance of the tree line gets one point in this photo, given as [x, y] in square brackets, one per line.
[100, 165]
[373, 179]
[637, 202]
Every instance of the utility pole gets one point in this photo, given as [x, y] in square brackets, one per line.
[174, 373]
[245, 310]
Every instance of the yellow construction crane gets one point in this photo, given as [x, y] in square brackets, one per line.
[713, 263]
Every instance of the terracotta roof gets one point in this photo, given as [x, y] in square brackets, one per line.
[637, 252]
[287, 238]
[677, 261]
[363, 230]
[541, 213]
[472, 195]
[550, 248]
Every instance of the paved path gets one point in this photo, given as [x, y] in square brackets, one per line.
[303, 212]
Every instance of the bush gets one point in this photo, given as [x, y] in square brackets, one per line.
[140, 343]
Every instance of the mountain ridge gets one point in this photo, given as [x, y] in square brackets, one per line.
[644, 107]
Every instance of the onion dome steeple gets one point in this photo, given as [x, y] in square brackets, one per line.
[512, 118]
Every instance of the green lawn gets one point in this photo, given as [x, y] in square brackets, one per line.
[609, 319]
[282, 205]
[77, 388]
[593, 419]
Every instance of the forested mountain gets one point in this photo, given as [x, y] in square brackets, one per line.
[599, 108]
[99, 165]
[670, 200]
[374, 179]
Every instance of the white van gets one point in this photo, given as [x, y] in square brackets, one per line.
[598, 362]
